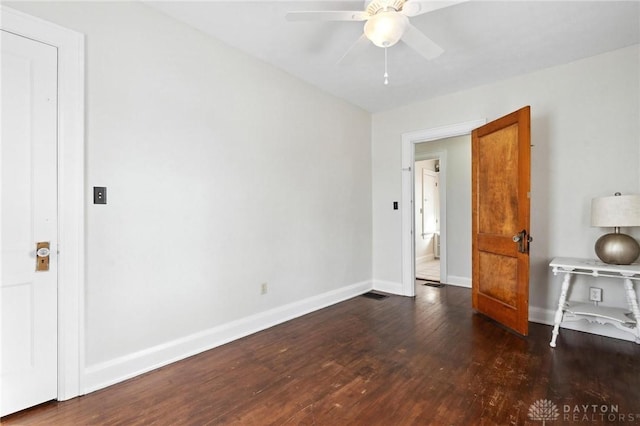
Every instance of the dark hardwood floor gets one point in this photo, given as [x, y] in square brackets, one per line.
[395, 361]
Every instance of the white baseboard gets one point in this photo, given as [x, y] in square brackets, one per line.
[117, 370]
[396, 288]
[388, 287]
[458, 281]
[546, 316]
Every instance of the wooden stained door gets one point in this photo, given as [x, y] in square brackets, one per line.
[500, 210]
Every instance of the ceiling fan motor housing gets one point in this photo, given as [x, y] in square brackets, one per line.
[379, 5]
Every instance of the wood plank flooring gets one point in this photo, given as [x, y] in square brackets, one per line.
[395, 361]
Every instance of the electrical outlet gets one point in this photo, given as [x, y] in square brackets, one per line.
[263, 288]
[595, 294]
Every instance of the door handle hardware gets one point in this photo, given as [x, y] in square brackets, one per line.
[42, 256]
[523, 240]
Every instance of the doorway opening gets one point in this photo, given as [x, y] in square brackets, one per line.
[427, 219]
[410, 143]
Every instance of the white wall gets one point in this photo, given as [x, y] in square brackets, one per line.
[586, 137]
[222, 173]
[458, 195]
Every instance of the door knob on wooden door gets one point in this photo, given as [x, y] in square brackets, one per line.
[523, 241]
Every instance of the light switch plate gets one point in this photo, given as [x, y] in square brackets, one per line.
[99, 195]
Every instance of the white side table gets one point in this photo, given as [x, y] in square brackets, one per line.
[624, 319]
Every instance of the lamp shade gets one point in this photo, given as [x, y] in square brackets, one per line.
[616, 211]
[385, 29]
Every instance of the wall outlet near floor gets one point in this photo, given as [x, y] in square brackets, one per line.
[595, 294]
[264, 288]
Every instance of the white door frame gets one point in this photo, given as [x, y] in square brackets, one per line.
[70, 45]
[408, 181]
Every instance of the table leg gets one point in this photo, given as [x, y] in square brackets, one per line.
[561, 306]
[632, 300]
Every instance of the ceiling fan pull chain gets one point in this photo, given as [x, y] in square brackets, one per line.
[386, 74]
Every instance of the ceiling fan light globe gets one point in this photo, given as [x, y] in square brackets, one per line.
[385, 29]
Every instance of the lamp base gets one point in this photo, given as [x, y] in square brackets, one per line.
[617, 249]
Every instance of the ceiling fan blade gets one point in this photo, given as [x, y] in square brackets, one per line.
[422, 44]
[328, 15]
[353, 51]
[418, 7]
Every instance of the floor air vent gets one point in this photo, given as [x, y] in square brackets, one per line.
[372, 295]
[432, 283]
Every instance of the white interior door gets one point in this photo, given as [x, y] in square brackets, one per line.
[28, 201]
[429, 202]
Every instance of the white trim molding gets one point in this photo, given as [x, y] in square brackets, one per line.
[120, 369]
[387, 286]
[408, 181]
[459, 281]
[70, 46]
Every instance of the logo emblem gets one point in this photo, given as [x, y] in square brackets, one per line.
[544, 410]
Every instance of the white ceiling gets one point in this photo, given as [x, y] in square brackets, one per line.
[484, 41]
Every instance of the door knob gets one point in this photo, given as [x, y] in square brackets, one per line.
[43, 252]
[523, 241]
[42, 256]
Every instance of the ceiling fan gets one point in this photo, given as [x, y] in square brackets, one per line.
[387, 22]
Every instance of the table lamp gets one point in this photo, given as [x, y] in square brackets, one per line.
[617, 211]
